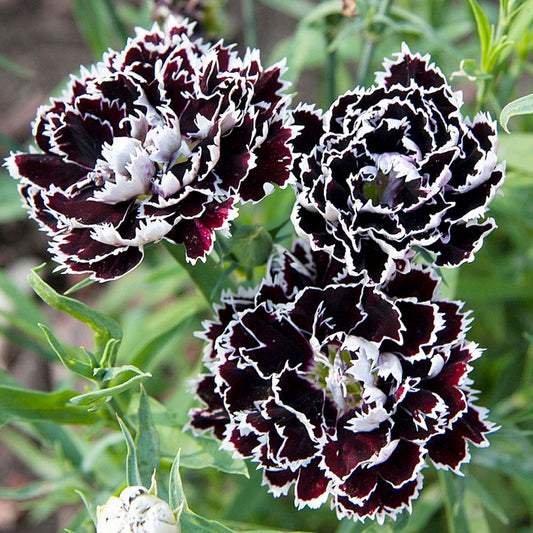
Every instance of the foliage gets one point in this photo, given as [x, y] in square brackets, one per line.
[119, 410]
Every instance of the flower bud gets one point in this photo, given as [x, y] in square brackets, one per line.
[136, 510]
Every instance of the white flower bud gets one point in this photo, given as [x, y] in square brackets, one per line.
[136, 510]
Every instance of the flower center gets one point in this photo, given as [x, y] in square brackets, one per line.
[330, 372]
[375, 189]
[392, 173]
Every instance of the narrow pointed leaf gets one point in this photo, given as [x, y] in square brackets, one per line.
[520, 106]
[104, 328]
[483, 29]
[90, 398]
[175, 488]
[192, 523]
[89, 505]
[146, 441]
[29, 405]
[78, 367]
[133, 477]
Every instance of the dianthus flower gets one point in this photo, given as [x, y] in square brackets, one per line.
[340, 388]
[158, 141]
[395, 168]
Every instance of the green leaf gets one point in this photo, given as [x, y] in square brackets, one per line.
[109, 354]
[60, 439]
[89, 505]
[520, 106]
[521, 21]
[30, 491]
[23, 404]
[192, 523]
[208, 276]
[108, 374]
[80, 285]
[516, 150]
[306, 48]
[133, 477]
[26, 447]
[251, 245]
[95, 397]
[99, 24]
[189, 522]
[425, 507]
[484, 31]
[195, 451]
[475, 517]
[78, 367]
[24, 339]
[162, 325]
[200, 452]
[7, 379]
[486, 499]
[104, 328]
[175, 487]
[452, 490]
[146, 441]
[469, 69]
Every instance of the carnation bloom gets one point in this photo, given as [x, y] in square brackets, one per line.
[136, 510]
[393, 168]
[340, 388]
[158, 141]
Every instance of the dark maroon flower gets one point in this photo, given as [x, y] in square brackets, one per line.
[158, 141]
[339, 388]
[394, 168]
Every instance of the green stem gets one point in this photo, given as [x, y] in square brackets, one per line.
[448, 505]
[115, 409]
[527, 373]
[330, 82]
[209, 277]
[370, 44]
[250, 27]
[123, 31]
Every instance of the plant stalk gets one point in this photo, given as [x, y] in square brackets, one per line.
[330, 82]
[209, 277]
[370, 45]
[250, 26]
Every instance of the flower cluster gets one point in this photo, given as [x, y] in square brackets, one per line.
[395, 168]
[344, 372]
[340, 388]
[158, 141]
